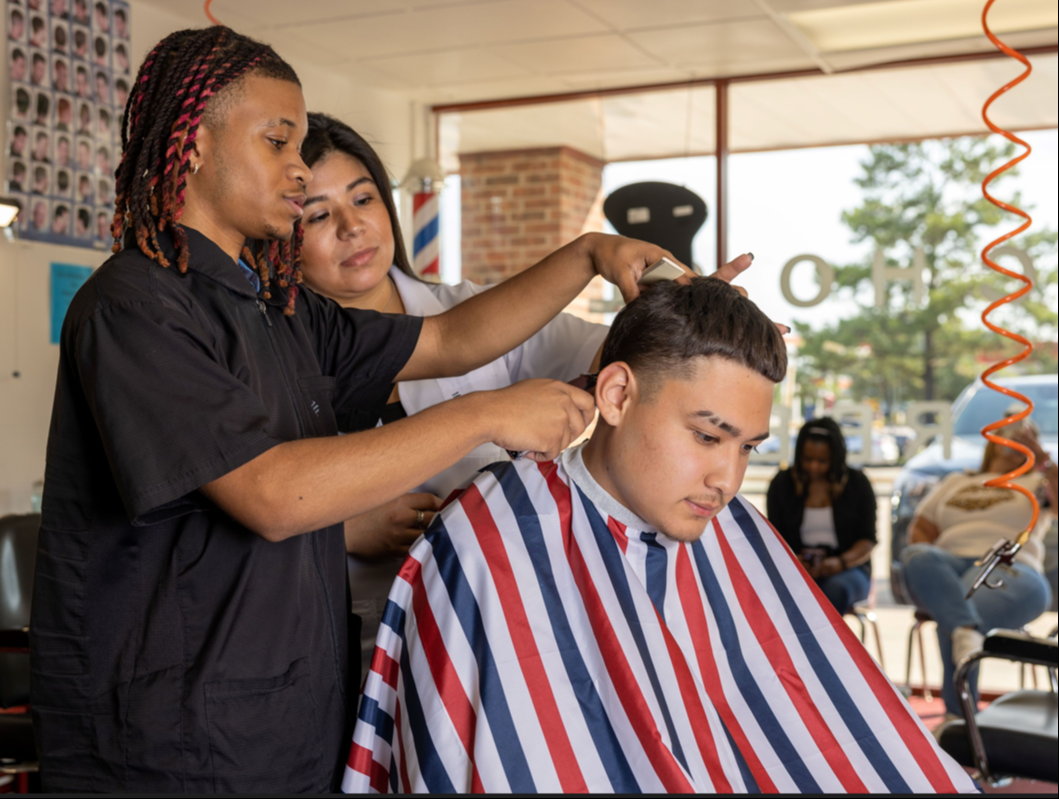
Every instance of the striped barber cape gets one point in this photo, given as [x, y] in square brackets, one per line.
[540, 637]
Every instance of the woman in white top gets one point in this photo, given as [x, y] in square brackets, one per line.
[957, 523]
[826, 511]
[353, 252]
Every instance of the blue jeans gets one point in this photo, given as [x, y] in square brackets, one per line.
[846, 588]
[938, 581]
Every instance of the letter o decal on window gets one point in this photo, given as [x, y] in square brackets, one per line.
[825, 276]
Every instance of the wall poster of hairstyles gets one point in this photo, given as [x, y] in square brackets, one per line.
[69, 73]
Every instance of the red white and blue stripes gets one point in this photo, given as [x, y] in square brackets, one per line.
[535, 643]
[426, 252]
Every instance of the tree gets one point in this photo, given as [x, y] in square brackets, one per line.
[927, 195]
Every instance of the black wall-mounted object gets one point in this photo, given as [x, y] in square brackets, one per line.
[661, 213]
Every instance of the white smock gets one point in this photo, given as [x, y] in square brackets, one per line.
[562, 350]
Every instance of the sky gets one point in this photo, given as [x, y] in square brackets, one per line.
[788, 203]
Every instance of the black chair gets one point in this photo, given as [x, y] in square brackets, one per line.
[1017, 735]
[18, 555]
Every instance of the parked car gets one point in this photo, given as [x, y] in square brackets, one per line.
[884, 448]
[976, 407]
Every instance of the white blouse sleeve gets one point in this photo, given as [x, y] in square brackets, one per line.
[562, 350]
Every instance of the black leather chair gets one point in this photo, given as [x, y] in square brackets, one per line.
[18, 555]
[1017, 735]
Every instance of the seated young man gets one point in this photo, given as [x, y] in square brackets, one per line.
[620, 620]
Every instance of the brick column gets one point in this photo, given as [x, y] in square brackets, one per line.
[520, 205]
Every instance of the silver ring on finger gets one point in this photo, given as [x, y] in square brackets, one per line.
[420, 523]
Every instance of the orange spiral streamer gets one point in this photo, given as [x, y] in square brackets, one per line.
[209, 15]
[1005, 481]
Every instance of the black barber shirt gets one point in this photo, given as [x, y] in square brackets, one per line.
[172, 648]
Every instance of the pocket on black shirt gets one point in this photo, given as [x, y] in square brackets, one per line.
[265, 735]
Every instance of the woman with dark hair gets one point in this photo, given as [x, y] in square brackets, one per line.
[825, 511]
[354, 253]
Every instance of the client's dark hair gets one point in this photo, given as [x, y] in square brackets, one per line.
[327, 135]
[824, 429]
[669, 325]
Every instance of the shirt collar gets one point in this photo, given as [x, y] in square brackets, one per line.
[207, 258]
[417, 297]
[575, 467]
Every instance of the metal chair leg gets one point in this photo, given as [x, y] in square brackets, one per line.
[908, 655]
[927, 693]
[878, 639]
[969, 712]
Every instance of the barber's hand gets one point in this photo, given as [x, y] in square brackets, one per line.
[391, 529]
[540, 417]
[622, 261]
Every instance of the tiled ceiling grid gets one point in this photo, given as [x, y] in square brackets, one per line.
[439, 51]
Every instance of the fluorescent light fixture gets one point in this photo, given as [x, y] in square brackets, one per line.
[9, 208]
[865, 26]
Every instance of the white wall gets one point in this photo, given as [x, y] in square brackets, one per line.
[384, 118]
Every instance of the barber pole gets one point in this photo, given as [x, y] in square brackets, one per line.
[425, 226]
[425, 179]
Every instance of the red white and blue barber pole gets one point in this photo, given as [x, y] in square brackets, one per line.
[425, 179]
[426, 253]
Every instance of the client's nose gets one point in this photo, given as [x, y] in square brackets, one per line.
[725, 472]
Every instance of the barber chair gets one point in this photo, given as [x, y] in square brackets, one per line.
[662, 213]
[915, 635]
[1017, 734]
[18, 555]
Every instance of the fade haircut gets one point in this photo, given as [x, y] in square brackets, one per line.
[185, 81]
[666, 329]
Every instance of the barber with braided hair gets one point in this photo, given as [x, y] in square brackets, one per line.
[190, 624]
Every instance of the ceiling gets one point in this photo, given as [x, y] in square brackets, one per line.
[879, 105]
[446, 51]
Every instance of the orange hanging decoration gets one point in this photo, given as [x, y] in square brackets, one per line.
[209, 15]
[1004, 551]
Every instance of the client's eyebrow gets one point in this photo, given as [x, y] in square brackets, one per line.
[727, 427]
[349, 188]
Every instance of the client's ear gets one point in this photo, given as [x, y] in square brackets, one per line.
[616, 391]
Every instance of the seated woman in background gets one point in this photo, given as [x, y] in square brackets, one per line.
[354, 253]
[957, 523]
[825, 511]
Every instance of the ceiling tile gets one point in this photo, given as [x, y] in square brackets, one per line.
[791, 6]
[368, 75]
[723, 46]
[531, 86]
[449, 67]
[630, 14]
[562, 56]
[599, 79]
[266, 14]
[885, 55]
[895, 104]
[453, 27]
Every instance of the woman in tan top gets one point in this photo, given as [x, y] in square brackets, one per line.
[957, 522]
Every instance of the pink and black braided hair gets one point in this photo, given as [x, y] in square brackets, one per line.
[162, 117]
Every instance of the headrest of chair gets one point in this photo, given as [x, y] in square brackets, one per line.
[18, 556]
[1013, 645]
